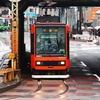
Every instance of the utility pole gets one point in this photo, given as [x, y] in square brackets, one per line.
[80, 17]
[79, 20]
[15, 32]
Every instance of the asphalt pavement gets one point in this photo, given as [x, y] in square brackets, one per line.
[88, 53]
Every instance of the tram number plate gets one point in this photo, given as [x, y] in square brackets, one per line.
[50, 66]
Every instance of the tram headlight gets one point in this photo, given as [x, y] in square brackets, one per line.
[44, 30]
[38, 62]
[56, 30]
[62, 62]
[50, 30]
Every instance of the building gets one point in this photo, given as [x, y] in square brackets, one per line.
[94, 16]
[5, 12]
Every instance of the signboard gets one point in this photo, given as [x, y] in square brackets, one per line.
[30, 14]
[5, 12]
[7, 16]
[14, 38]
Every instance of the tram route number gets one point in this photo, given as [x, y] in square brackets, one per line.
[50, 66]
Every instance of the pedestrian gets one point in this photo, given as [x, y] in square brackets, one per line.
[95, 39]
[90, 35]
[34, 21]
[96, 33]
[93, 31]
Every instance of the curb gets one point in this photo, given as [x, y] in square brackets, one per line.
[80, 40]
[9, 86]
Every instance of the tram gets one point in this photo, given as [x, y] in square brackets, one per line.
[49, 48]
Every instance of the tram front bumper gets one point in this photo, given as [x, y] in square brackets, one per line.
[51, 76]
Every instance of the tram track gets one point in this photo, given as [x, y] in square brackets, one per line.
[66, 90]
[66, 86]
[38, 89]
[40, 86]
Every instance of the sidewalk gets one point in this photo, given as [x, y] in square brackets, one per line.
[82, 38]
[8, 85]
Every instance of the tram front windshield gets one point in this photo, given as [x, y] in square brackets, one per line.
[50, 41]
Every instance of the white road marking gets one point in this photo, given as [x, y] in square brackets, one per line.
[75, 54]
[97, 76]
[96, 52]
[83, 64]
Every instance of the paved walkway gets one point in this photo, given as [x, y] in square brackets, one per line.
[8, 85]
[1, 78]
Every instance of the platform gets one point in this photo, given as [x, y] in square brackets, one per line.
[8, 85]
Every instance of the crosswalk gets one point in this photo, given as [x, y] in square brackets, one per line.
[80, 88]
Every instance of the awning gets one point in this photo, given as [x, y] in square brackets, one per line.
[92, 13]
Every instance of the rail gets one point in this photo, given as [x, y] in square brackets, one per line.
[9, 74]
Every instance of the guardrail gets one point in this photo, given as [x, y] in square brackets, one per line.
[5, 57]
[8, 74]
